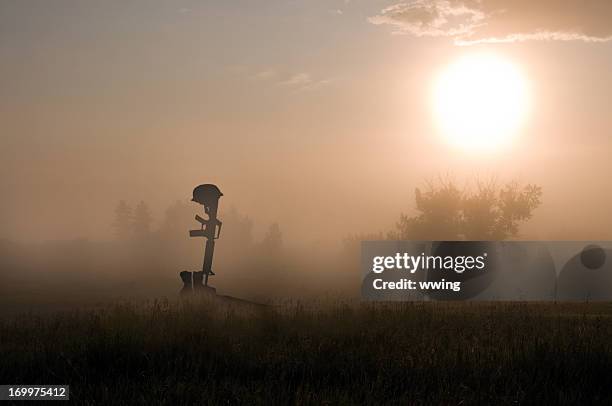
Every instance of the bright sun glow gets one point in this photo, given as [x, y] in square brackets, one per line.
[480, 102]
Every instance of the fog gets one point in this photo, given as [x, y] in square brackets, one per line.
[325, 132]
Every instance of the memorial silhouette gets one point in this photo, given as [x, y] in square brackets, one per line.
[208, 196]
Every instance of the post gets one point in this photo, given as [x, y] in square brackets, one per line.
[208, 257]
[209, 249]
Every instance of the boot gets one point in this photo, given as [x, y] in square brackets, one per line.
[198, 279]
[187, 282]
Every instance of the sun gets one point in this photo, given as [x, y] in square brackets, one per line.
[481, 101]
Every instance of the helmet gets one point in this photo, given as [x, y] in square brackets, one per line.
[207, 194]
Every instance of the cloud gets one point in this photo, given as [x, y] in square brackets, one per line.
[338, 11]
[299, 79]
[265, 74]
[486, 21]
[303, 81]
[297, 82]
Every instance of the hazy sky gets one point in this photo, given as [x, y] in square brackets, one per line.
[315, 114]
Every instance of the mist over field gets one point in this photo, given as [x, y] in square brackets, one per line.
[462, 137]
[317, 138]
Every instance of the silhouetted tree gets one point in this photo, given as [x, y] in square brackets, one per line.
[123, 220]
[448, 213]
[273, 240]
[142, 220]
[178, 219]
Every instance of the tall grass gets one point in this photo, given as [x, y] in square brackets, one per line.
[421, 353]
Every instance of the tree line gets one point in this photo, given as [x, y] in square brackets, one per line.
[137, 224]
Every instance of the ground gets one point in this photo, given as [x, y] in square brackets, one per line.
[423, 353]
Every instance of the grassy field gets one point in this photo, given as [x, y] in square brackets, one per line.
[422, 353]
